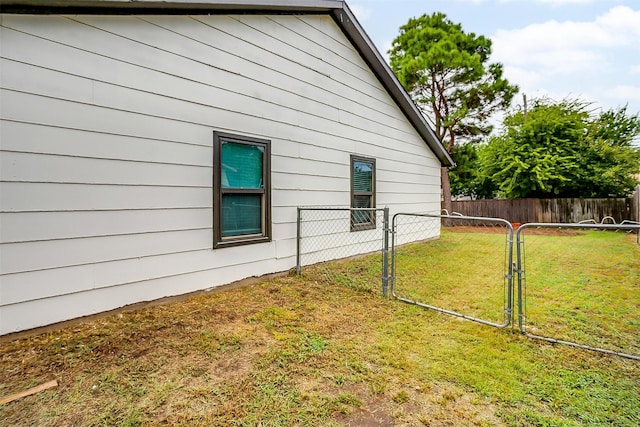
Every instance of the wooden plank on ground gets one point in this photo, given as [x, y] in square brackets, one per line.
[28, 392]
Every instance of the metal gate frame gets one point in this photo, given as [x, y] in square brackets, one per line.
[521, 273]
[509, 274]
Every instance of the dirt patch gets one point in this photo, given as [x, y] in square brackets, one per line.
[430, 405]
[373, 414]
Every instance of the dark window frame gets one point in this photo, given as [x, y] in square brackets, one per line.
[219, 241]
[356, 224]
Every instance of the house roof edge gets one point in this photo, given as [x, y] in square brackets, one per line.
[299, 5]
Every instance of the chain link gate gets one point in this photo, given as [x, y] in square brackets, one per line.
[592, 302]
[424, 271]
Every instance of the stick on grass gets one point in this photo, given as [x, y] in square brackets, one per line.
[29, 392]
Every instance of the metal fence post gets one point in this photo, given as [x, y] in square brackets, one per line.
[385, 254]
[298, 237]
[520, 272]
[636, 197]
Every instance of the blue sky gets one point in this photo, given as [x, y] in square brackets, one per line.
[586, 49]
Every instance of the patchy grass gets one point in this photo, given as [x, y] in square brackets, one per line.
[325, 349]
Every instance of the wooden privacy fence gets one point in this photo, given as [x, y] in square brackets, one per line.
[553, 210]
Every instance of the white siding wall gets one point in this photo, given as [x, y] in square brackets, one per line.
[106, 150]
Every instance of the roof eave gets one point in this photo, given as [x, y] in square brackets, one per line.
[284, 5]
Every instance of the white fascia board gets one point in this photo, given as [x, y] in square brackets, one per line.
[299, 5]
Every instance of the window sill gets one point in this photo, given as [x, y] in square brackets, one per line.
[239, 241]
[363, 227]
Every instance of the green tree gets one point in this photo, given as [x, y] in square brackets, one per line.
[465, 179]
[611, 159]
[559, 149]
[463, 175]
[447, 73]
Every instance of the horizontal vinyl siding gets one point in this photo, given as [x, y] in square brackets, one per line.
[29, 167]
[43, 139]
[48, 197]
[106, 150]
[37, 226]
[73, 279]
[30, 256]
[169, 66]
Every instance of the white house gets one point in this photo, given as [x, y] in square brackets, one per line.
[155, 148]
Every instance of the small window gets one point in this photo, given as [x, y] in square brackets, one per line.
[363, 192]
[241, 190]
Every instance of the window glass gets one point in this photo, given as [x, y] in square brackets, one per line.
[241, 165]
[241, 214]
[362, 176]
[361, 217]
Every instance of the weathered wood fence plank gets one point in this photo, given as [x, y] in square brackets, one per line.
[635, 204]
[553, 210]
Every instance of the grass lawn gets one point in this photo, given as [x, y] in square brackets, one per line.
[326, 349]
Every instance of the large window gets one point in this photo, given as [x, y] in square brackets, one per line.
[363, 192]
[241, 190]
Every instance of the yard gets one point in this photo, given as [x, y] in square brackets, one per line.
[326, 349]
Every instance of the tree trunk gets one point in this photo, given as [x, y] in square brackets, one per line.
[446, 190]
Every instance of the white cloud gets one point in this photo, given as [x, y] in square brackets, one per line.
[567, 47]
[384, 49]
[595, 61]
[554, 3]
[523, 76]
[564, 2]
[621, 20]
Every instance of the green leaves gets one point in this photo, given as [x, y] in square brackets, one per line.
[559, 150]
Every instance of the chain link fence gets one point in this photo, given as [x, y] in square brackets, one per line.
[579, 285]
[458, 265]
[327, 234]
